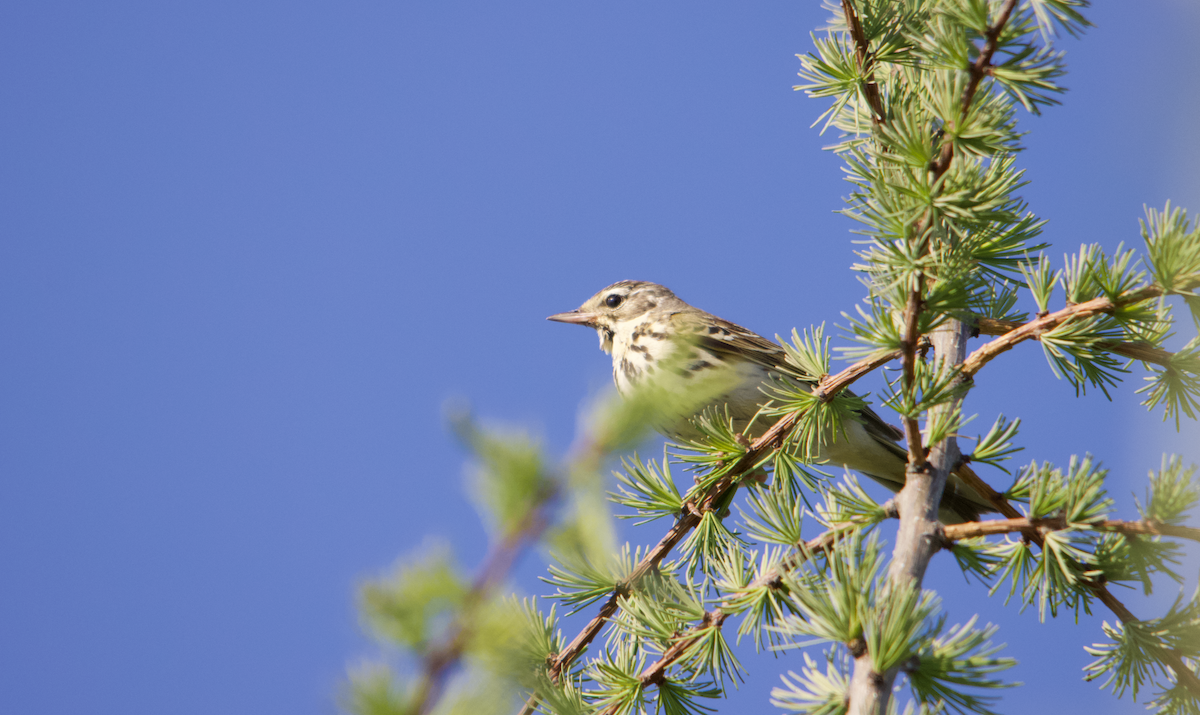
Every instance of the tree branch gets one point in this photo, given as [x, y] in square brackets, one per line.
[809, 548]
[1144, 352]
[954, 532]
[656, 672]
[862, 52]
[1034, 328]
[437, 663]
[826, 389]
[919, 536]
[976, 72]
[1183, 674]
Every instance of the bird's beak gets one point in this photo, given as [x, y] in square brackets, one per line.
[575, 316]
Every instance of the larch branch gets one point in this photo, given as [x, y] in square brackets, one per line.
[862, 53]
[1183, 673]
[656, 672]
[1144, 352]
[1034, 329]
[990, 527]
[826, 389]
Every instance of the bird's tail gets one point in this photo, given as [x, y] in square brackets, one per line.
[959, 504]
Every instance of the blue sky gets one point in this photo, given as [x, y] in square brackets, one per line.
[250, 249]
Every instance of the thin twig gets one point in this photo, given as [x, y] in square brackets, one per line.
[869, 690]
[438, 662]
[1144, 352]
[971, 529]
[1034, 328]
[862, 52]
[826, 389]
[978, 69]
[656, 672]
[806, 549]
[1183, 674]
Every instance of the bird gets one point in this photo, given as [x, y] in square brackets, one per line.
[642, 324]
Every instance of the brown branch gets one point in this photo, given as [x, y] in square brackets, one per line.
[954, 532]
[979, 69]
[656, 672]
[1183, 674]
[1144, 352]
[862, 52]
[1033, 329]
[826, 389]
[1149, 528]
[437, 663]
[809, 548]
[925, 481]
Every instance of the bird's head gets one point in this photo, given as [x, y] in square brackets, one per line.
[620, 303]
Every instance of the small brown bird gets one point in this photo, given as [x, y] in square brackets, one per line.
[641, 324]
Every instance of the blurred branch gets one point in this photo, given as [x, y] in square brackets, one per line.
[438, 661]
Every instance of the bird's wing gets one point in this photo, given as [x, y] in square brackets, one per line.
[728, 340]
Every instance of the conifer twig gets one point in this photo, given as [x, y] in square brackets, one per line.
[976, 72]
[1183, 674]
[692, 512]
[656, 672]
[1034, 328]
[869, 690]
[863, 54]
[437, 663]
[1144, 527]
[1144, 352]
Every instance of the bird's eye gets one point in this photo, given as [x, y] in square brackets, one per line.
[613, 300]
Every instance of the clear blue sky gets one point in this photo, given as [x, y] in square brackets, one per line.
[249, 249]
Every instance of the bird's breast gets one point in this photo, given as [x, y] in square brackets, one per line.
[639, 350]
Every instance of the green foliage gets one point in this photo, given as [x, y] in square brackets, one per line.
[818, 421]
[1176, 385]
[648, 489]
[934, 384]
[1172, 492]
[1173, 248]
[374, 690]
[834, 598]
[962, 657]
[1135, 655]
[996, 446]
[715, 451]
[1076, 495]
[926, 105]
[776, 517]
[1122, 557]
[581, 582]
[813, 692]
[847, 505]
[407, 606]
[510, 478]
